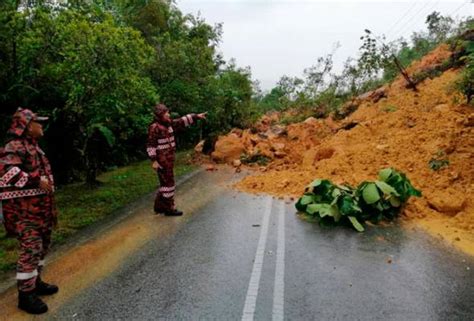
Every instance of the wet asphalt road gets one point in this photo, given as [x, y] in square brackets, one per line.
[241, 256]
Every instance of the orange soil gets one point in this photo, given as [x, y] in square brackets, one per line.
[404, 130]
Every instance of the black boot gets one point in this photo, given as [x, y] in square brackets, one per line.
[31, 303]
[174, 212]
[43, 288]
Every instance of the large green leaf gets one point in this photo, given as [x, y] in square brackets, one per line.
[348, 206]
[370, 193]
[386, 189]
[394, 201]
[384, 174]
[328, 210]
[311, 209]
[306, 199]
[315, 183]
[104, 131]
[356, 224]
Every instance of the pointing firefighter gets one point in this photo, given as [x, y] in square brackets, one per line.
[161, 149]
[26, 197]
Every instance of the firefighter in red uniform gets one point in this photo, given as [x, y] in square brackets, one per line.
[161, 149]
[26, 200]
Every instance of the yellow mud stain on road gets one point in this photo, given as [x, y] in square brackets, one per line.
[88, 263]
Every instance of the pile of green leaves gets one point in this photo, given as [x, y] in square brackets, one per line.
[333, 204]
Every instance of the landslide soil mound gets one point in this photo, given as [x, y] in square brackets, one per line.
[413, 132]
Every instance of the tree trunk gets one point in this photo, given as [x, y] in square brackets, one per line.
[411, 83]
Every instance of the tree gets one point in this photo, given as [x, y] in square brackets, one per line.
[377, 56]
[439, 27]
[89, 75]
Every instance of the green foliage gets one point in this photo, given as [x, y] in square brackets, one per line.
[334, 204]
[437, 164]
[465, 84]
[389, 108]
[98, 67]
[438, 161]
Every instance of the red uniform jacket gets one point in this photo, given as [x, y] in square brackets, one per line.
[161, 145]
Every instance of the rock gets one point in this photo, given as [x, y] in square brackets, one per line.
[442, 108]
[311, 156]
[278, 146]
[310, 120]
[276, 131]
[280, 154]
[448, 201]
[324, 153]
[199, 147]
[329, 121]
[469, 121]
[378, 94]
[382, 147]
[237, 131]
[228, 148]
[284, 183]
[211, 168]
[374, 95]
[236, 163]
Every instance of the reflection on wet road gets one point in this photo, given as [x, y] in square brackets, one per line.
[236, 256]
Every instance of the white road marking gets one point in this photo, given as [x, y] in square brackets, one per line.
[279, 286]
[252, 291]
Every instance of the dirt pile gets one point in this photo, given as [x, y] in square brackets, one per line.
[429, 135]
[281, 145]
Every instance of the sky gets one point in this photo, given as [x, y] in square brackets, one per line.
[277, 38]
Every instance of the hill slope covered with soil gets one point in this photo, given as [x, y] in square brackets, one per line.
[428, 135]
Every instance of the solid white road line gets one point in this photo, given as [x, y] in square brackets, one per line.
[279, 287]
[252, 291]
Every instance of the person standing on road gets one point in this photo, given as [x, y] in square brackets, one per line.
[26, 200]
[161, 148]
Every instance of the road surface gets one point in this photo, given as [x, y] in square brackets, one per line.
[235, 256]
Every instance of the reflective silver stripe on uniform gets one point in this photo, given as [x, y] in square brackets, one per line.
[26, 275]
[41, 263]
[151, 151]
[22, 193]
[9, 175]
[190, 119]
[167, 188]
[22, 181]
[170, 129]
[185, 120]
[164, 140]
[166, 146]
[168, 195]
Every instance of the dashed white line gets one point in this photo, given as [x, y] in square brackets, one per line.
[252, 291]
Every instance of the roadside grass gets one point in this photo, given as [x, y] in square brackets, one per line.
[80, 206]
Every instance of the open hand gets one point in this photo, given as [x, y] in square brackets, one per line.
[202, 115]
[156, 166]
[44, 184]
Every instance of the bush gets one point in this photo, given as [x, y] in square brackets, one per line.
[334, 204]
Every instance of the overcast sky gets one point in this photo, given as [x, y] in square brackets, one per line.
[277, 38]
